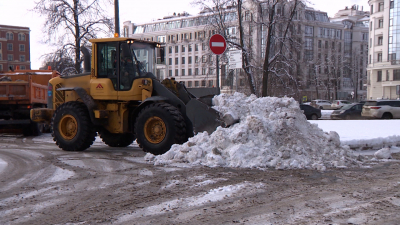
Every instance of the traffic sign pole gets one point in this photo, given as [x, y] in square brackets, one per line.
[217, 46]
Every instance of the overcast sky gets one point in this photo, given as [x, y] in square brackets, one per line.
[16, 12]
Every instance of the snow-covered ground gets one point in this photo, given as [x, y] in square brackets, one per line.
[273, 132]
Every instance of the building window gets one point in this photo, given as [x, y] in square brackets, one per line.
[196, 83]
[326, 45]
[380, 57]
[203, 46]
[9, 46]
[183, 48]
[387, 75]
[396, 74]
[190, 60]
[379, 78]
[196, 71]
[23, 67]
[0, 45]
[170, 49]
[380, 9]
[22, 58]
[370, 26]
[170, 61]
[203, 83]
[170, 73]
[189, 48]
[204, 59]
[380, 24]
[190, 72]
[196, 59]
[176, 61]
[183, 60]
[210, 83]
[372, 9]
[391, 4]
[10, 57]
[1, 57]
[196, 47]
[1, 67]
[319, 44]
[204, 71]
[176, 49]
[10, 36]
[183, 72]
[380, 40]
[176, 72]
[21, 37]
[189, 83]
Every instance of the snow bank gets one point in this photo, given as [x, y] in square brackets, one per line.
[273, 132]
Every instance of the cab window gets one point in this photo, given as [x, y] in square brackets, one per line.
[107, 61]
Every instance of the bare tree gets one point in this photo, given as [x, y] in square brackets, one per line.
[60, 62]
[71, 23]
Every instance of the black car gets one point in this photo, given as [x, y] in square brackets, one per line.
[311, 112]
[348, 112]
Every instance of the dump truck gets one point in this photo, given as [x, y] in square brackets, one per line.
[20, 91]
[118, 97]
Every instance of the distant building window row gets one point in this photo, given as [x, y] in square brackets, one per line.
[176, 73]
[11, 48]
[182, 23]
[10, 36]
[196, 83]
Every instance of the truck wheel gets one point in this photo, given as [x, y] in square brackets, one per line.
[72, 128]
[116, 140]
[159, 126]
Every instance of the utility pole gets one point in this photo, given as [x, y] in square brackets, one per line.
[116, 14]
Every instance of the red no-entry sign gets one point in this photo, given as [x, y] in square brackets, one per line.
[217, 44]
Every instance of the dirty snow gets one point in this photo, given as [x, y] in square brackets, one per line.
[273, 132]
[3, 165]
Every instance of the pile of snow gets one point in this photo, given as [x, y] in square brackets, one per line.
[272, 132]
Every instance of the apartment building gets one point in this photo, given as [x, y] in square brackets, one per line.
[331, 59]
[384, 52]
[14, 48]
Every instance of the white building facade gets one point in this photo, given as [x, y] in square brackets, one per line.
[384, 51]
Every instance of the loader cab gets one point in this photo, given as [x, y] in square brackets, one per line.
[120, 65]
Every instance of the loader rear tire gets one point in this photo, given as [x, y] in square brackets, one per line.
[116, 140]
[158, 126]
[72, 129]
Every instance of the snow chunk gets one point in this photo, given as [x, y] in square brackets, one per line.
[272, 132]
[384, 153]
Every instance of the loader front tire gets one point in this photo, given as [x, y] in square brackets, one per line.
[72, 129]
[116, 140]
[158, 126]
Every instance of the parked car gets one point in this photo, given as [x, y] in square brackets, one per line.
[310, 112]
[381, 109]
[337, 104]
[348, 112]
[321, 104]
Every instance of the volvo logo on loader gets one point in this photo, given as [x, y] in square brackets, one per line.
[99, 86]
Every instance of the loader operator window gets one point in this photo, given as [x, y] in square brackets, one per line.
[107, 61]
[128, 70]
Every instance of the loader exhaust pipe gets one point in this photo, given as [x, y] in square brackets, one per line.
[86, 60]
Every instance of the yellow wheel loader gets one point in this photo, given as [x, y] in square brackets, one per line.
[119, 98]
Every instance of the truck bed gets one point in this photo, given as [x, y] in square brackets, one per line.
[25, 88]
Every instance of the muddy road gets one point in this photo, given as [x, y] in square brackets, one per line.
[41, 184]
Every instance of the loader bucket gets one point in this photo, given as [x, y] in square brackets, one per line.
[205, 118]
[197, 109]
